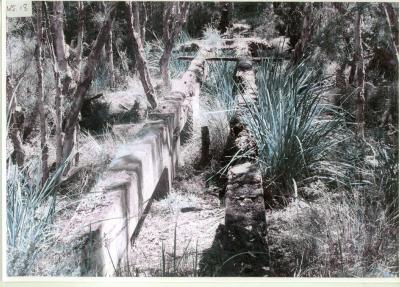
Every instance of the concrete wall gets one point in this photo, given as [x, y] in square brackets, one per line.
[142, 169]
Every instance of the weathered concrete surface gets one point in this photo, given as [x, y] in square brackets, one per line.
[240, 246]
[244, 193]
[116, 204]
[254, 43]
[244, 198]
[142, 169]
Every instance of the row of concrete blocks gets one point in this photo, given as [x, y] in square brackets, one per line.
[245, 218]
[142, 170]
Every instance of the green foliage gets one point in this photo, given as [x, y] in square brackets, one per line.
[218, 104]
[154, 50]
[287, 122]
[200, 15]
[101, 76]
[289, 21]
[219, 86]
[30, 212]
[250, 12]
[211, 36]
[387, 175]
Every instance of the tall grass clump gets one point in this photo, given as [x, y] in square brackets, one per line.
[155, 49]
[30, 211]
[219, 86]
[290, 123]
[212, 36]
[218, 104]
[387, 175]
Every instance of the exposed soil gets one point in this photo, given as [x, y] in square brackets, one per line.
[186, 220]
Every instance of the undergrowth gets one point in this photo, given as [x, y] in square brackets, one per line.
[218, 104]
[290, 123]
[344, 224]
[154, 50]
[30, 211]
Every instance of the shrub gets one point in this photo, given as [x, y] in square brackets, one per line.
[387, 175]
[154, 51]
[30, 211]
[218, 103]
[290, 123]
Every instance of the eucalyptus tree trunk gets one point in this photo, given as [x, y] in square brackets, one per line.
[40, 91]
[57, 27]
[110, 58]
[109, 53]
[138, 50]
[61, 71]
[85, 80]
[29, 123]
[15, 132]
[340, 79]
[175, 15]
[393, 23]
[305, 33]
[353, 70]
[359, 61]
[225, 19]
[79, 50]
[143, 21]
[79, 44]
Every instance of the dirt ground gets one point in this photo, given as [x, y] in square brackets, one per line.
[184, 221]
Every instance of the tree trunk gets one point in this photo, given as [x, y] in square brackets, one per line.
[393, 22]
[386, 116]
[305, 33]
[56, 38]
[224, 21]
[79, 46]
[57, 26]
[340, 76]
[358, 54]
[205, 146]
[353, 69]
[143, 22]
[137, 45]
[18, 155]
[139, 21]
[30, 123]
[175, 14]
[58, 103]
[110, 58]
[164, 66]
[85, 81]
[109, 52]
[40, 92]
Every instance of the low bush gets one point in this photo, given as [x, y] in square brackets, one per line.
[218, 104]
[290, 123]
[154, 51]
[30, 211]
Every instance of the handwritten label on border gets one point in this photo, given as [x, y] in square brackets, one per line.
[19, 8]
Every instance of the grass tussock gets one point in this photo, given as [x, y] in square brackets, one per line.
[338, 235]
[218, 104]
[154, 51]
[345, 221]
[290, 123]
[31, 207]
